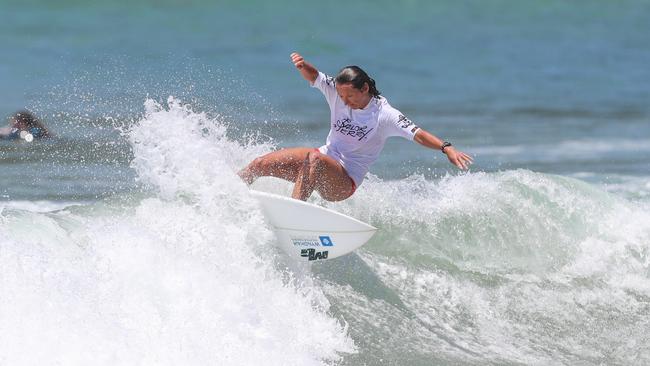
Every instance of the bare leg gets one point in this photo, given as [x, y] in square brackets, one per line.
[285, 164]
[309, 169]
[305, 180]
[324, 174]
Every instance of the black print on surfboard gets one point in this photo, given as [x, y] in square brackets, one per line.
[312, 255]
[346, 127]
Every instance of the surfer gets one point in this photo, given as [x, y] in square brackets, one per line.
[24, 125]
[361, 121]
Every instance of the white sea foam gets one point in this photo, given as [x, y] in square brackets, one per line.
[502, 268]
[512, 267]
[186, 276]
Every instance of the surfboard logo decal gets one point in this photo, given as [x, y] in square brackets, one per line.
[305, 242]
[312, 255]
[323, 240]
[326, 241]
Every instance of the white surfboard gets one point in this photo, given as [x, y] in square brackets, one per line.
[309, 232]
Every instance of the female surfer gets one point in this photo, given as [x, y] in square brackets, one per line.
[361, 121]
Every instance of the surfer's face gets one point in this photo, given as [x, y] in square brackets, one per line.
[353, 97]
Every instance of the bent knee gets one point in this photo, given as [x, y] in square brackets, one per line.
[258, 163]
[314, 159]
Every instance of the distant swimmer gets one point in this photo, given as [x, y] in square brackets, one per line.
[24, 125]
[361, 121]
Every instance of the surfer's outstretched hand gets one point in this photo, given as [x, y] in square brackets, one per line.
[307, 70]
[458, 158]
[297, 60]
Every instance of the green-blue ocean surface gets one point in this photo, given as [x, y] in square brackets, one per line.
[128, 238]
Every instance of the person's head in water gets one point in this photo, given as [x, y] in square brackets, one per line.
[26, 121]
[355, 87]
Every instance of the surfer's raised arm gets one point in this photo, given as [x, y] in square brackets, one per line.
[458, 158]
[307, 70]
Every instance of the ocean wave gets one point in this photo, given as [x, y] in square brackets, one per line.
[509, 267]
[499, 268]
[183, 275]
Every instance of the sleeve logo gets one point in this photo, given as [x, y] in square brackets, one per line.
[404, 122]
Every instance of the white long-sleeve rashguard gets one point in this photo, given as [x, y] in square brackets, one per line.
[357, 136]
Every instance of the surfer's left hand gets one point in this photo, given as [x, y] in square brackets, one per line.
[458, 158]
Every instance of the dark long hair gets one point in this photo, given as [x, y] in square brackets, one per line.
[357, 77]
[29, 119]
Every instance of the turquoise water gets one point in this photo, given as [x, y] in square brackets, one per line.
[128, 239]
